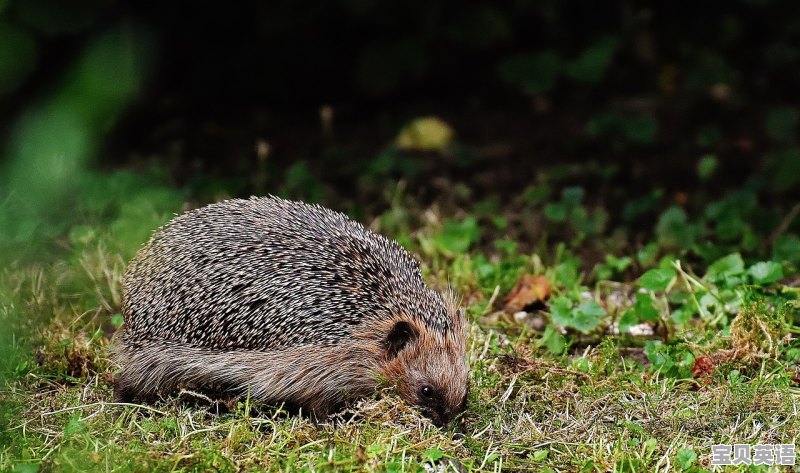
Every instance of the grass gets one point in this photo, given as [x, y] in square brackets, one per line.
[564, 385]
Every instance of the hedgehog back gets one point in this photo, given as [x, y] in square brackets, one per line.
[267, 273]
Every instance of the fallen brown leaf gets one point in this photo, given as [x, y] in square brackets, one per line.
[529, 291]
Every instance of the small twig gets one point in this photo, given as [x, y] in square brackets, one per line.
[691, 282]
[510, 389]
[195, 394]
[491, 300]
[84, 406]
[784, 225]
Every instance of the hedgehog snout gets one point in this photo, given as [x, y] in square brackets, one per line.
[436, 382]
[434, 403]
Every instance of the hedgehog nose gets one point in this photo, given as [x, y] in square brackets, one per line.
[442, 419]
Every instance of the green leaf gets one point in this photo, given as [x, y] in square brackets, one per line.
[553, 340]
[638, 129]
[457, 237]
[708, 303]
[603, 272]
[706, 166]
[74, 426]
[566, 273]
[425, 134]
[642, 130]
[673, 229]
[647, 255]
[765, 272]
[684, 361]
[572, 196]
[581, 364]
[727, 266]
[783, 167]
[657, 279]
[781, 123]
[592, 64]
[612, 266]
[117, 320]
[685, 458]
[432, 454]
[708, 136]
[556, 212]
[645, 307]
[604, 123]
[535, 194]
[683, 315]
[561, 311]
[393, 467]
[628, 320]
[535, 73]
[658, 354]
[670, 360]
[540, 455]
[618, 264]
[643, 205]
[650, 445]
[500, 222]
[588, 224]
[793, 355]
[588, 316]
[301, 180]
[25, 468]
[787, 248]
[735, 377]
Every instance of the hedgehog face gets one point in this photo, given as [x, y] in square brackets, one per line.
[430, 370]
[436, 383]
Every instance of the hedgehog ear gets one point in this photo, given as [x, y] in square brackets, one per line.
[397, 339]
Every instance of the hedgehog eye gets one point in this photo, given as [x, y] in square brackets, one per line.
[427, 392]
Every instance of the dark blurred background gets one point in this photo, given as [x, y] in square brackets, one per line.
[641, 105]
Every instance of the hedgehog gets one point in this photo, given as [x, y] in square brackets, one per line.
[288, 303]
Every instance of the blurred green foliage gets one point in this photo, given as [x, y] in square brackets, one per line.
[538, 72]
[48, 187]
[53, 143]
[631, 79]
